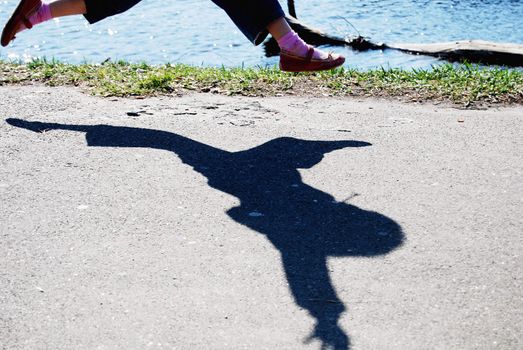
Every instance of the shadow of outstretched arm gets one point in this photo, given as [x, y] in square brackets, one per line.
[191, 152]
[40, 127]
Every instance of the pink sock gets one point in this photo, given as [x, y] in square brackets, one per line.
[43, 14]
[292, 43]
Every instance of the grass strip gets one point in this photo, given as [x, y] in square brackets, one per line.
[466, 84]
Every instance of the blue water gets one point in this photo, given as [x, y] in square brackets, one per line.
[197, 32]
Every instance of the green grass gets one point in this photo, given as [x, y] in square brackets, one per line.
[464, 84]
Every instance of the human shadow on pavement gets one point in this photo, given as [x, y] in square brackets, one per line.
[305, 224]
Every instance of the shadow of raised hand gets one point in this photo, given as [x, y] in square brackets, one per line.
[305, 224]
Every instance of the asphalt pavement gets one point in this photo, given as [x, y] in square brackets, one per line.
[214, 222]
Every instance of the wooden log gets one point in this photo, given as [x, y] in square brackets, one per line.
[474, 51]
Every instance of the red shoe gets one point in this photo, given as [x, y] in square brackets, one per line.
[25, 9]
[292, 63]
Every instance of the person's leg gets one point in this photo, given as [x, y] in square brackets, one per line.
[290, 42]
[56, 9]
[279, 28]
[252, 16]
[98, 10]
[32, 12]
[257, 18]
[63, 8]
[94, 10]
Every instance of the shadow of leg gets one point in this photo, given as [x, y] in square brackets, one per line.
[312, 289]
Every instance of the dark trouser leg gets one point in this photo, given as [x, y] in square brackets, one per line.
[252, 16]
[100, 9]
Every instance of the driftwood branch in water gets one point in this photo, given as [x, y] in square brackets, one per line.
[473, 51]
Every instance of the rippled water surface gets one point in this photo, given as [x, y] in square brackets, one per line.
[198, 32]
